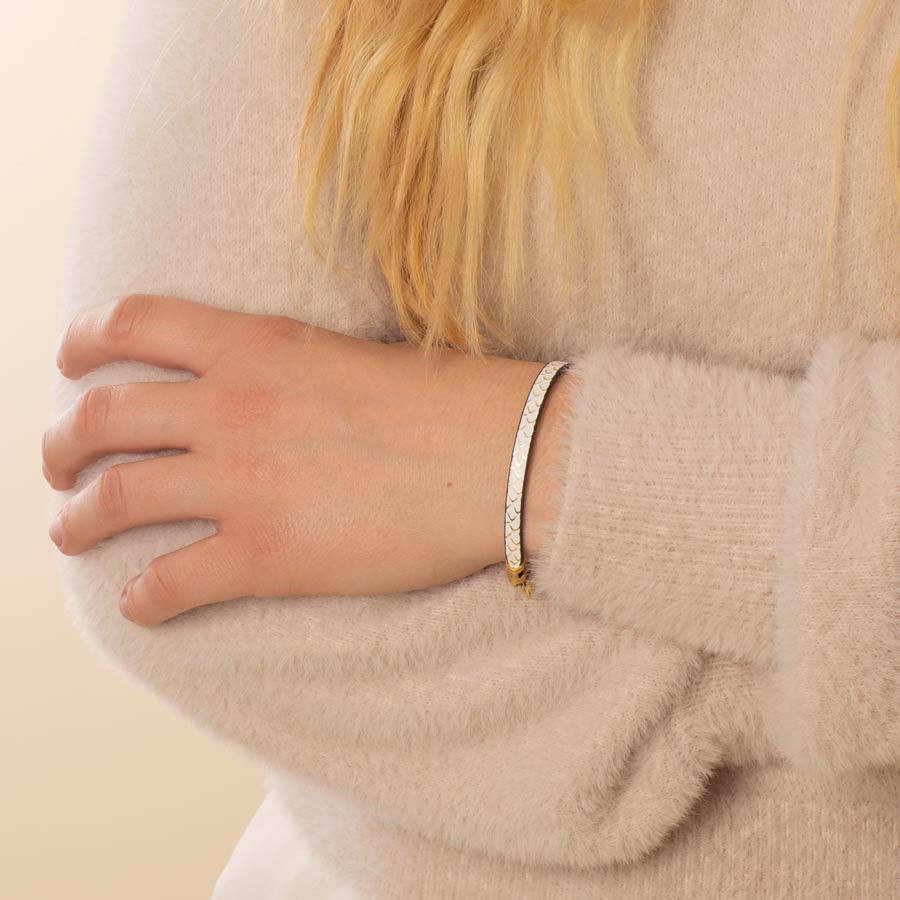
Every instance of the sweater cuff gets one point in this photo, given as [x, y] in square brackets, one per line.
[749, 514]
[670, 498]
[836, 686]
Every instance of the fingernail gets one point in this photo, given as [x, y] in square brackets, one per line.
[59, 360]
[56, 531]
[125, 601]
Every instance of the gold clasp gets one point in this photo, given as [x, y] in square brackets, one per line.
[518, 577]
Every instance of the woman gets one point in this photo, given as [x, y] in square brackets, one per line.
[701, 698]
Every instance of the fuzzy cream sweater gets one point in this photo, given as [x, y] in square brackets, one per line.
[703, 698]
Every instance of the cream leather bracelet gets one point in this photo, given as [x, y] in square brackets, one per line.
[516, 566]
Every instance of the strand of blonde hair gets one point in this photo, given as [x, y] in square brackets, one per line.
[430, 116]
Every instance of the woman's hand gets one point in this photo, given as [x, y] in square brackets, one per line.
[330, 464]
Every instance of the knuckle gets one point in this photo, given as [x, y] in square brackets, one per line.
[273, 331]
[92, 411]
[271, 543]
[126, 316]
[246, 403]
[111, 500]
[252, 467]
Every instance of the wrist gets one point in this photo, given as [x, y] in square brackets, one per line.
[476, 446]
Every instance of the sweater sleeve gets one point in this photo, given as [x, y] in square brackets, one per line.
[522, 731]
[748, 513]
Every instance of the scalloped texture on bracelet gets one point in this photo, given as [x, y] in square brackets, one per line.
[516, 566]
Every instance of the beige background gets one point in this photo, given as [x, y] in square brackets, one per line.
[106, 794]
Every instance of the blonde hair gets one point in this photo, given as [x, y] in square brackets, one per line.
[434, 112]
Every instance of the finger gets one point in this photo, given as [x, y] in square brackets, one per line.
[119, 418]
[147, 492]
[202, 573]
[163, 331]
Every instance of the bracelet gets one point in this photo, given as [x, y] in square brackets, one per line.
[516, 566]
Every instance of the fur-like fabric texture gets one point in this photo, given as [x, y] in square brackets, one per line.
[776, 540]
[706, 684]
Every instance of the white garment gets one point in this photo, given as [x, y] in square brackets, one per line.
[272, 861]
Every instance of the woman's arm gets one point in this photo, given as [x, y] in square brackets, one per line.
[452, 684]
[455, 693]
[330, 464]
[732, 511]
